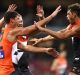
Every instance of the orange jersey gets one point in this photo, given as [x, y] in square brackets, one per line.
[62, 65]
[6, 66]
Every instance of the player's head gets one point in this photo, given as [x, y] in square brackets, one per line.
[73, 12]
[63, 49]
[13, 18]
[63, 53]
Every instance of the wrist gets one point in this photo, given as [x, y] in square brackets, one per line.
[45, 50]
[51, 15]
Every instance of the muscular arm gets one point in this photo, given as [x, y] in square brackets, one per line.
[30, 48]
[32, 28]
[63, 33]
[60, 34]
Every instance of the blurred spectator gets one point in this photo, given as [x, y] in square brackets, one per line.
[59, 65]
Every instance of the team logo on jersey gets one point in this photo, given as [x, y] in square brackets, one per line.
[1, 54]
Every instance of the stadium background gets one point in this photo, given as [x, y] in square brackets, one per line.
[40, 63]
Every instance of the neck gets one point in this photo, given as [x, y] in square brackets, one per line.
[74, 20]
[9, 25]
[77, 19]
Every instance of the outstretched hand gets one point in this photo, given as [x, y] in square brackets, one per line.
[57, 10]
[12, 7]
[52, 52]
[40, 11]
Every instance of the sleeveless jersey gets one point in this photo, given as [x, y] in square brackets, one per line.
[6, 66]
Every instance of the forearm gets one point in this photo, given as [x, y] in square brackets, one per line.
[32, 28]
[41, 18]
[45, 20]
[30, 48]
[1, 22]
[54, 33]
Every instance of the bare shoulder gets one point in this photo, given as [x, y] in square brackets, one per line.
[76, 28]
[12, 35]
[15, 30]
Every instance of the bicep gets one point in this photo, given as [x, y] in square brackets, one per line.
[30, 30]
[67, 33]
[22, 30]
[72, 32]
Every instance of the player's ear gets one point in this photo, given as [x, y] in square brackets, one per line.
[12, 20]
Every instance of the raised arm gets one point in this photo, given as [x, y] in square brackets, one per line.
[28, 30]
[40, 15]
[11, 8]
[40, 12]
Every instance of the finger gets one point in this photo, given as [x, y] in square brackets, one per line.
[54, 53]
[14, 6]
[59, 8]
[38, 8]
[11, 6]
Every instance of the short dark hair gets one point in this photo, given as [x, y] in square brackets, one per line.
[75, 8]
[9, 15]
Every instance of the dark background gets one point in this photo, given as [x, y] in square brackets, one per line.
[27, 8]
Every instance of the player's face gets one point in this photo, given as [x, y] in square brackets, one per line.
[19, 21]
[70, 16]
